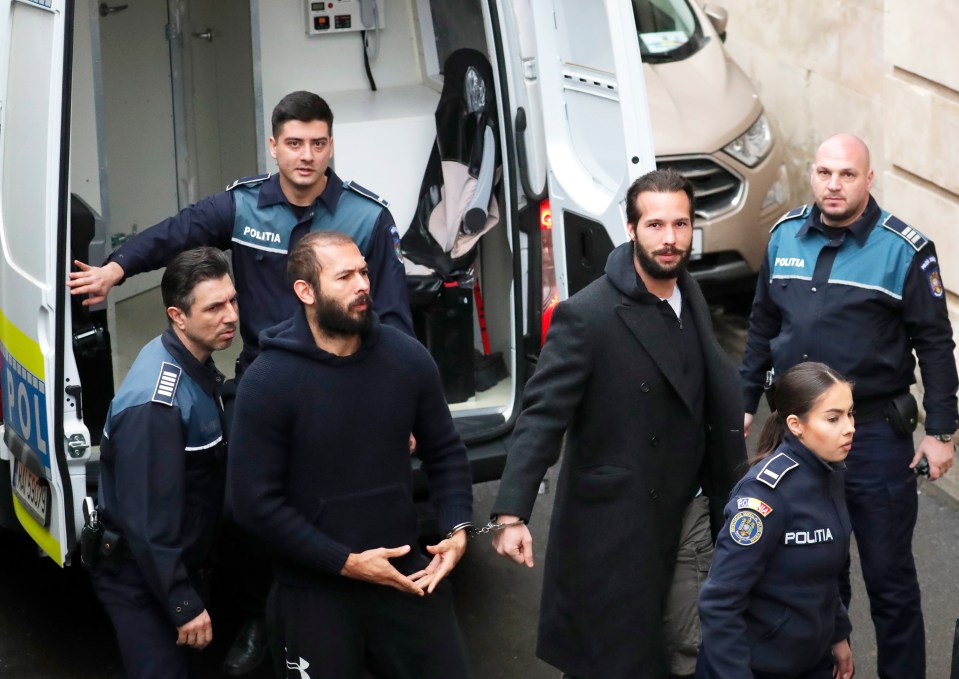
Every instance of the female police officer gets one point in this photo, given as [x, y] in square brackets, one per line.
[770, 607]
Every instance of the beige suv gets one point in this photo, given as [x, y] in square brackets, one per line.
[709, 124]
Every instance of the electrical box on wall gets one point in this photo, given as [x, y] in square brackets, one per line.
[324, 17]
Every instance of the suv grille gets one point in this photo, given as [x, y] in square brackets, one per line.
[717, 189]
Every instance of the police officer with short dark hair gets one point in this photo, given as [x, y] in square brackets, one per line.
[162, 473]
[770, 608]
[261, 218]
[849, 284]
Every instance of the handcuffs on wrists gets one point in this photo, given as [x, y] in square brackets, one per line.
[472, 531]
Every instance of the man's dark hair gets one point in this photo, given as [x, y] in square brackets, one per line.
[302, 264]
[303, 106]
[189, 269]
[658, 181]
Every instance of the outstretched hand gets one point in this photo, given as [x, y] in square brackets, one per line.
[374, 566]
[446, 554]
[94, 281]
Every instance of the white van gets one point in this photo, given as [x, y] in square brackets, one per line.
[114, 115]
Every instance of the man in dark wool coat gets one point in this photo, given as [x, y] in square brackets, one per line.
[632, 375]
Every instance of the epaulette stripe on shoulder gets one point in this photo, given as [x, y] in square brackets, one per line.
[915, 238]
[801, 211]
[253, 179]
[775, 469]
[353, 186]
[167, 383]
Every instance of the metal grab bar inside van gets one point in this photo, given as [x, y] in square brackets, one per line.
[521, 158]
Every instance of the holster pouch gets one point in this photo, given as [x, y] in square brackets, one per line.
[903, 414]
[109, 552]
[90, 538]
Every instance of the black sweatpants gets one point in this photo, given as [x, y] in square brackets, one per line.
[333, 633]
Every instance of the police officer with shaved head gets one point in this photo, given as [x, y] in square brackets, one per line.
[847, 283]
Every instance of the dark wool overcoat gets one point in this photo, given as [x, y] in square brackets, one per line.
[609, 380]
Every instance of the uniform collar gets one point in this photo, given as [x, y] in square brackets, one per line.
[860, 229]
[272, 194]
[205, 374]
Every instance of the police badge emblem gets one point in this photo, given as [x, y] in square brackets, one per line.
[935, 283]
[746, 528]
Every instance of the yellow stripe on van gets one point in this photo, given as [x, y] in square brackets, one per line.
[40, 535]
[23, 348]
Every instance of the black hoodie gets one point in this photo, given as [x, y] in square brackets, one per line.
[320, 465]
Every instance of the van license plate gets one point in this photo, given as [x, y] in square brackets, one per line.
[33, 492]
[697, 249]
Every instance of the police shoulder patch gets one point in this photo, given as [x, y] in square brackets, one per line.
[397, 243]
[800, 212]
[252, 179]
[915, 238]
[745, 528]
[755, 504]
[167, 382]
[366, 193]
[775, 469]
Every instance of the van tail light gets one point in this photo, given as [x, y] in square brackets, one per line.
[550, 295]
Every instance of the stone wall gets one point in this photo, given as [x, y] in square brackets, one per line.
[885, 70]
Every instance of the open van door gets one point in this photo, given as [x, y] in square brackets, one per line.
[37, 361]
[597, 128]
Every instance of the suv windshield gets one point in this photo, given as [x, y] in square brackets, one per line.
[667, 29]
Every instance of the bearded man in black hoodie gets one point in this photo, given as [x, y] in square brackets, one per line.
[632, 375]
[320, 472]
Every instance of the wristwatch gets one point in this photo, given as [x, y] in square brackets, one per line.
[945, 438]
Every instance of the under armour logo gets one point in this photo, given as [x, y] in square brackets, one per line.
[302, 666]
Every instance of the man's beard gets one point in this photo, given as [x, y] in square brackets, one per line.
[648, 263]
[334, 320]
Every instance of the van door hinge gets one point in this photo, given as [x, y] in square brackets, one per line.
[76, 445]
[169, 32]
[530, 72]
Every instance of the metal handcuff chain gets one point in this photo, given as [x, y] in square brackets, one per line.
[490, 526]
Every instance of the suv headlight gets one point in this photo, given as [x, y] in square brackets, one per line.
[752, 145]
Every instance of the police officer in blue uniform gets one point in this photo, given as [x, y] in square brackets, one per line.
[847, 283]
[770, 608]
[162, 473]
[260, 219]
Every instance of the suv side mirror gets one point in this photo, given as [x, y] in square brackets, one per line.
[719, 17]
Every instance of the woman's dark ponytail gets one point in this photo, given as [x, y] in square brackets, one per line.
[796, 393]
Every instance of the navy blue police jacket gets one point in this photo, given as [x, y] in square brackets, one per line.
[860, 302]
[254, 219]
[162, 469]
[771, 601]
